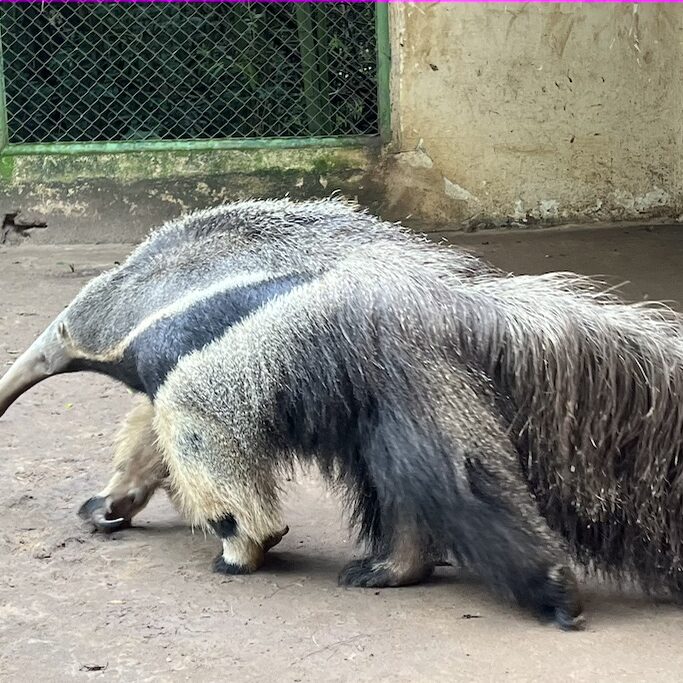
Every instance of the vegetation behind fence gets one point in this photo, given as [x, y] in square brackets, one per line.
[158, 71]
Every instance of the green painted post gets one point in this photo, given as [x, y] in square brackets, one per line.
[310, 72]
[4, 133]
[324, 92]
[383, 70]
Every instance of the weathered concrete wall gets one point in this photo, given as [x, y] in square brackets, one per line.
[119, 197]
[531, 112]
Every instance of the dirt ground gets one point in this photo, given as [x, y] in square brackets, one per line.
[143, 605]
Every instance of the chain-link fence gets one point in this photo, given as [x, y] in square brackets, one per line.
[199, 71]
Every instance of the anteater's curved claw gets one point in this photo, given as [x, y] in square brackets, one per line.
[95, 511]
[273, 540]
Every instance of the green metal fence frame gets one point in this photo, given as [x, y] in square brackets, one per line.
[383, 47]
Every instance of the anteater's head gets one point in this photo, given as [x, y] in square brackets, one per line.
[85, 331]
[47, 356]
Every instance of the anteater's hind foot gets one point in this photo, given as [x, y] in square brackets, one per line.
[406, 562]
[138, 472]
[519, 556]
[372, 572]
[555, 598]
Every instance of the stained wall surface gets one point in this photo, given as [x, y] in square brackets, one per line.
[536, 112]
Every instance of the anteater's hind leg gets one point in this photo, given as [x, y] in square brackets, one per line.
[442, 459]
[138, 471]
[219, 486]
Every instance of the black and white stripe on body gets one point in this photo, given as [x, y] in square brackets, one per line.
[162, 341]
[215, 250]
[155, 346]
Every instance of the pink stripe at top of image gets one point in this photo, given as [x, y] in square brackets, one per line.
[388, 2]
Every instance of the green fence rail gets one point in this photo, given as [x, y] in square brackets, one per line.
[120, 76]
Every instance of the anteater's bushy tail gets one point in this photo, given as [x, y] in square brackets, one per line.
[587, 390]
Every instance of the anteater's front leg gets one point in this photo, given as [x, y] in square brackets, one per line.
[219, 485]
[139, 471]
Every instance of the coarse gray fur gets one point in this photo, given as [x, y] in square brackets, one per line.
[511, 422]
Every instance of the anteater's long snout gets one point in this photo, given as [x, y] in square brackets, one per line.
[47, 356]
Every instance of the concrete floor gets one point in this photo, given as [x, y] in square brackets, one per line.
[142, 604]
